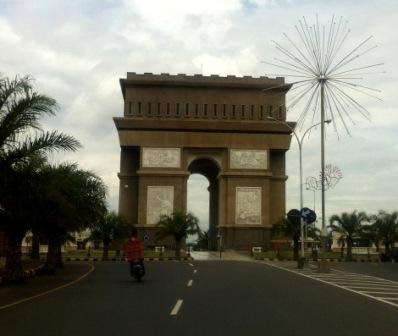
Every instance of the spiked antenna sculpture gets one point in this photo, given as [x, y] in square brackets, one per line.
[326, 76]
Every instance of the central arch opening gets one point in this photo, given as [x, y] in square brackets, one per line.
[203, 197]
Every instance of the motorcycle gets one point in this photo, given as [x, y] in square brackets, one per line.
[136, 270]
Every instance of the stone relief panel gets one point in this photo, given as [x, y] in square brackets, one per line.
[160, 200]
[161, 157]
[248, 159]
[248, 205]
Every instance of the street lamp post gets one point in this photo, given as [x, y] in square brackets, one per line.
[300, 146]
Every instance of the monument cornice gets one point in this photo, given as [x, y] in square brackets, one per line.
[214, 81]
[203, 125]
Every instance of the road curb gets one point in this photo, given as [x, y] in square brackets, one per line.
[329, 260]
[28, 273]
[122, 259]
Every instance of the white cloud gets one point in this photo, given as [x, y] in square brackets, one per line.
[77, 50]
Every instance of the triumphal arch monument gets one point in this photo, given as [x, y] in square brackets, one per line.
[230, 129]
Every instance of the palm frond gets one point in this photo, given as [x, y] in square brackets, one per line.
[10, 89]
[23, 114]
[44, 143]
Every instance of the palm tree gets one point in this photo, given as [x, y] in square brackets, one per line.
[289, 228]
[177, 225]
[20, 111]
[18, 214]
[203, 240]
[387, 224]
[349, 226]
[70, 200]
[341, 242]
[112, 227]
[371, 232]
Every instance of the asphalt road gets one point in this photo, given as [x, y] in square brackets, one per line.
[223, 298]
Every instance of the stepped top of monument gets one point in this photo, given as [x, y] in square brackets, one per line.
[230, 81]
[194, 98]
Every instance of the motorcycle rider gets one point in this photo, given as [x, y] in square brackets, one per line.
[134, 251]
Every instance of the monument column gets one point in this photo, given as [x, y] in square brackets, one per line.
[213, 214]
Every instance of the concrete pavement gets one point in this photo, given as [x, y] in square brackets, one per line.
[225, 255]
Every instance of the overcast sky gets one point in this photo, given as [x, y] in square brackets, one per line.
[78, 50]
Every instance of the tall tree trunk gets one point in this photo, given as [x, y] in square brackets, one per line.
[58, 255]
[35, 253]
[105, 252]
[387, 248]
[342, 251]
[350, 242]
[178, 249]
[377, 246]
[51, 261]
[14, 272]
[295, 247]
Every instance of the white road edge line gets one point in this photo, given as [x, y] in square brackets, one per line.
[176, 307]
[363, 283]
[190, 283]
[387, 293]
[348, 276]
[365, 287]
[92, 268]
[335, 285]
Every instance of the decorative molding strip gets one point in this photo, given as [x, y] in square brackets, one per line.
[163, 172]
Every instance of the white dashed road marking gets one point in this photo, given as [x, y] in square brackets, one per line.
[190, 283]
[190, 264]
[176, 307]
[194, 271]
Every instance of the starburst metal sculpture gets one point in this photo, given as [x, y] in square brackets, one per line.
[326, 72]
[326, 75]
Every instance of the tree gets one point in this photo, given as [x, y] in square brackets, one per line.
[112, 227]
[371, 232]
[348, 225]
[18, 214]
[177, 225]
[289, 228]
[341, 243]
[70, 199]
[21, 138]
[387, 224]
[202, 242]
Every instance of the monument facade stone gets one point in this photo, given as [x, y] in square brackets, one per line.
[160, 200]
[248, 205]
[248, 159]
[161, 157]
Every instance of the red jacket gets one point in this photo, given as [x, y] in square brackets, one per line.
[133, 249]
